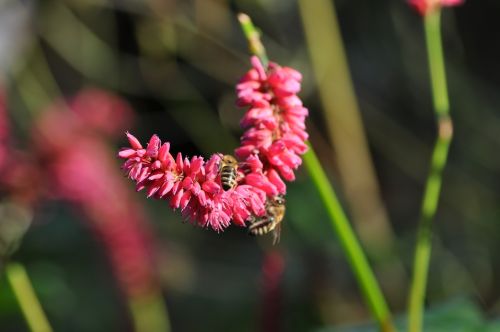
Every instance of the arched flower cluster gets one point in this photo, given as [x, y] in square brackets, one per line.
[270, 150]
[192, 185]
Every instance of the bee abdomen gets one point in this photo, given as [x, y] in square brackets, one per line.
[262, 226]
[228, 177]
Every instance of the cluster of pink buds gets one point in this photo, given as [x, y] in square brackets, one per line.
[426, 6]
[270, 150]
[274, 122]
[192, 185]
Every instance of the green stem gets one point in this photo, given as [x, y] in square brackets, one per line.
[433, 184]
[25, 294]
[253, 37]
[350, 244]
[352, 248]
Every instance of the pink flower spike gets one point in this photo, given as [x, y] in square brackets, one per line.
[275, 130]
[270, 150]
[191, 185]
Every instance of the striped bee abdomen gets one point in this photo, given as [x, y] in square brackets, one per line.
[228, 177]
[228, 172]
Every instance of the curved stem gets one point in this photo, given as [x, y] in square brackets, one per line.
[338, 219]
[25, 294]
[350, 244]
[434, 179]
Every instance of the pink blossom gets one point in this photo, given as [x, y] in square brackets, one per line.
[191, 185]
[102, 111]
[426, 6]
[274, 123]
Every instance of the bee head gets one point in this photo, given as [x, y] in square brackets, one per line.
[279, 199]
[229, 160]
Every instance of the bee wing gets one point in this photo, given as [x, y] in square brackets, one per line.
[276, 234]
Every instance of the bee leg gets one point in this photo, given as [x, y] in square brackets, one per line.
[251, 221]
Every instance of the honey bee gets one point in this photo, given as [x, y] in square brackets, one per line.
[228, 172]
[271, 221]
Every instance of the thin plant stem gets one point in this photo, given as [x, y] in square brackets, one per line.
[338, 219]
[350, 244]
[25, 294]
[253, 36]
[433, 183]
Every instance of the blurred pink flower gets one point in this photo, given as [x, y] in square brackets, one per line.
[102, 111]
[78, 167]
[426, 6]
[273, 268]
[4, 128]
[192, 185]
[20, 177]
[274, 123]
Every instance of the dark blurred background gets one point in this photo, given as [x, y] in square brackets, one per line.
[176, 63]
